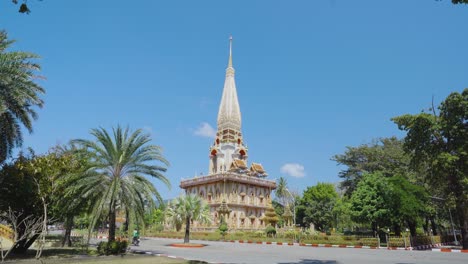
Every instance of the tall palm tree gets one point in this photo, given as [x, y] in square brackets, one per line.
[281, 192]
[190, 207]
[19, 95]
[115, 177]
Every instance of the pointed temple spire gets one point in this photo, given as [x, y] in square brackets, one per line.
[230, 52]
[229, 115]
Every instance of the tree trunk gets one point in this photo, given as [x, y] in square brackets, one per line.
[433, 226]
[425, 225]
[397, 229]
[187, 230]
[23, 245]
[412, 228]
[127, 217]
[374, 229]
[68, 228]
[112, 216]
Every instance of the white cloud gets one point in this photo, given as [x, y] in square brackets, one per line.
[205, 130]
[293, 170]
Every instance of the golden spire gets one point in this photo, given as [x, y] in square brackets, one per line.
[229, 115]
[230, 52]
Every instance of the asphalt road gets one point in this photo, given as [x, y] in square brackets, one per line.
[226, 252]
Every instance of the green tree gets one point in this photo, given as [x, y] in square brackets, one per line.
[386, 202]
[190, 208]
[369, 202]
[342, 214]
[385, 155]
[223, 227]
[43, 178]
[317, 205]
[282, 192]
[172, 217]
[438, 141]
[279, 210]
[408, 203]
[67, 163]
[115, 179]
[19, 95]
[19, 192]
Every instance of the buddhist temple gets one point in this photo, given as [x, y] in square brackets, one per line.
[235, 190]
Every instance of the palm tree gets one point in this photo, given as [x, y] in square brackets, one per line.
[115, 179]
[282, 191]
[171, 216]
[190, 208]
[19, 94]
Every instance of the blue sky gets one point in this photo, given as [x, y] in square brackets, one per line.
[312, 76]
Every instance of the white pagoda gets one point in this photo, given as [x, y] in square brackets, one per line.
[233, 189]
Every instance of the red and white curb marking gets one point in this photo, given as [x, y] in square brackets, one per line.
[434, 247]
[450, 250]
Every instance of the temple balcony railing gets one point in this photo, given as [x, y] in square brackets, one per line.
[227, 177]
[240, 204]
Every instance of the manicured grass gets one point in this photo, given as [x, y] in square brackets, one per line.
[47, 253]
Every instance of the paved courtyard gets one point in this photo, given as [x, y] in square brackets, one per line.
[226, 252]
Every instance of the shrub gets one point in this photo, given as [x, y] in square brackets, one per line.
[270, 231]
[425, 240]
[259, 234]
[397, 242]
[112, 248]
[157, 228]
[372, 242]
[291, 234]
[239, 234]
[223, 228]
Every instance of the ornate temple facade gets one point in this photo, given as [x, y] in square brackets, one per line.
[233, 189]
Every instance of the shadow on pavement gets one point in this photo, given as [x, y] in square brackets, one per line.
[312, 261]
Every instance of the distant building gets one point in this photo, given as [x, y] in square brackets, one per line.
[233, 189]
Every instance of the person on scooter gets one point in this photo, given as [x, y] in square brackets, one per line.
[136, 237]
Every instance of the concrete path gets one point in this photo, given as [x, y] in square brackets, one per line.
[226, 252]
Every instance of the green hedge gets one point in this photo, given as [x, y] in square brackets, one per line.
[112, 248]
[285, 237]
[371, 242]
[425, 240]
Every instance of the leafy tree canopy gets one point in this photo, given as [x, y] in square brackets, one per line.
[19, 95]
[317, 204]
[369, 202]
[114, 179]
[438, 142]
[385, 155]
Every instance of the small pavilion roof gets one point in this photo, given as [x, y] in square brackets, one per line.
[238, 164]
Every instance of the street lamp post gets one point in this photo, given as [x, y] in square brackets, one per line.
[453, 228]
[294, 208]
[451, 221]
[388, 237]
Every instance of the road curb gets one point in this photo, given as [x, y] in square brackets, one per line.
[449, 250]
[434, 247]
